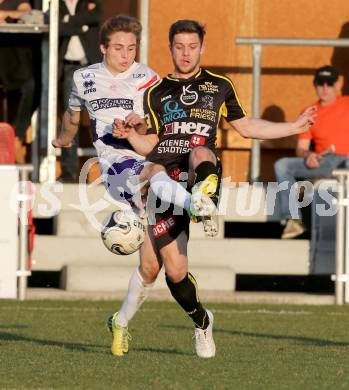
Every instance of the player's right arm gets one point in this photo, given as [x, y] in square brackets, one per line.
[71, 118]
[70, 127]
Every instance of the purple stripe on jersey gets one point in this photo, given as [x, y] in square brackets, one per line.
[116, 143]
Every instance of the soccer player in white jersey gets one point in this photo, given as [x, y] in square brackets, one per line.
[111, 89]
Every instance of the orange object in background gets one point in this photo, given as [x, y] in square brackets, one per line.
[8, 156]
[7, 144]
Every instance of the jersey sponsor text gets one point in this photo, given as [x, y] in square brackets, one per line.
[187, 128]
[104, 103]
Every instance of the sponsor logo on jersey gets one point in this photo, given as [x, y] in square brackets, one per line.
[208, 101]
[188, 97]
[165, 98]
[208, 87]
[197, 140]
[113, 87]
[203, 113]
[176, 146]
[175, 174]
[164, 226]
[88, 85]
[88, 75]
[172, 112]
[105, 103]
[138, 75]
[147, 121]
[187, 128]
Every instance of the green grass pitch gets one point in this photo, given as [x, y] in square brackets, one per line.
[65, 345]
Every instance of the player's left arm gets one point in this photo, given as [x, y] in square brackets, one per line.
[142, 144]
[256, 128]
[249, 127]
[134, 120]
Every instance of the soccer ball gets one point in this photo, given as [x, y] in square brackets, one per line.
[123, 232]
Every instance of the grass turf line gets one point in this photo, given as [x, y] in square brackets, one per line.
[65, 345]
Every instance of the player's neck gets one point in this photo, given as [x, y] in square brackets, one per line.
[177, 74]
[114, 71]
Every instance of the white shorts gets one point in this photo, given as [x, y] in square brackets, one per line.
[120, 169]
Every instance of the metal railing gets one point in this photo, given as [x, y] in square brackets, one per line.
[341, 277]
[24, 198]
[257, 50]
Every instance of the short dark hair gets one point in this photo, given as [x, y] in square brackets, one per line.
[187, 26]
[119, 23]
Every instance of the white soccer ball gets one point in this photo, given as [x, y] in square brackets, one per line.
[123, 232]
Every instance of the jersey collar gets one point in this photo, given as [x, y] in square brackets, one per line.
[121, 75]
[195, 76]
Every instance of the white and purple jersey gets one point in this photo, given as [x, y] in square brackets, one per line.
[107, 97]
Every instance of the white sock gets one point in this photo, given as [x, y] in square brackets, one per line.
[136, 294]
[169, 190]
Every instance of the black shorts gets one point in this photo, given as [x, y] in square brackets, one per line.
[169, 225]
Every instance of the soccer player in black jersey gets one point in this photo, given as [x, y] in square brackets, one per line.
[182, 115]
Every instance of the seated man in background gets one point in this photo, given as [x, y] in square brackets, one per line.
[16, 72]
[320, 150]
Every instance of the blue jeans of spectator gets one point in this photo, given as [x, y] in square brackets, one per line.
[290, 169]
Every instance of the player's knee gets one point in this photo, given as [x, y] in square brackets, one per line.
[175, 275]
[149, 271]
[150, 170]
[202, 153]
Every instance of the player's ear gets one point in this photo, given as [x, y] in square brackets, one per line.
[102, 49]
[202, 49]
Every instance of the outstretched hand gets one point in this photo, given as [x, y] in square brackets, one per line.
[306, 119]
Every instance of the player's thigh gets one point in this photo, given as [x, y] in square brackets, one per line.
[150, 261]
[121, 175]
[174, 257]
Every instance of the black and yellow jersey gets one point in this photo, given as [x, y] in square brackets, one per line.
[185, 113]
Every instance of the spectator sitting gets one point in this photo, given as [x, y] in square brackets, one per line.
[324, 147]
[16, 71]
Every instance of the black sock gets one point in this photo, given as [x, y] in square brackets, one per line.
[186, 294]
[203, 170]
